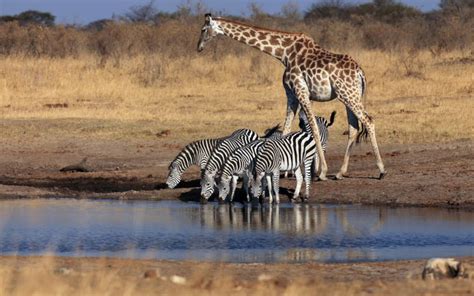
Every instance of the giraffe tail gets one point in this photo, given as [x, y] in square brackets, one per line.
[363, 134]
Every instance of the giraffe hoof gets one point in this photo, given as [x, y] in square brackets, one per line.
[382, 175]
[339, 177]
[322, 178]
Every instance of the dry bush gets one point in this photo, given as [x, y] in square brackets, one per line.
[177, 38]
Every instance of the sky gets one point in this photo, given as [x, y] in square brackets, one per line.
[85, 11]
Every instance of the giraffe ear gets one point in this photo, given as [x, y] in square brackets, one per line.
[207, 17]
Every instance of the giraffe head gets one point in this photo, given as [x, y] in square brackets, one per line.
[210, 30]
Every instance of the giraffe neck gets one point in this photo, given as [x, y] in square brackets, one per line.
[269, 41]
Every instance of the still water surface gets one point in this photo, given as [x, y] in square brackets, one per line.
[239, 233]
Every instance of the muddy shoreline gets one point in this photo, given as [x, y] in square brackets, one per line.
[423, 175]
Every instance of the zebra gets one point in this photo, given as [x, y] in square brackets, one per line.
[238, 139]
[239, 164]
[195, 153]
[323, 125]
[288, 153]
[304, 126]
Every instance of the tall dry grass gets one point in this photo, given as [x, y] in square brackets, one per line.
[135, 80]
[106, 276]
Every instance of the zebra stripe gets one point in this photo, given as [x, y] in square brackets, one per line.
[323, 125]
[195, 153]
[228, 145]
[239, 164]
[286, 154]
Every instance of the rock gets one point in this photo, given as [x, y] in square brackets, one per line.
[443, 268]
[179, 280]
[151, 274]
[79, 167]
[264, 277]
[64, 270]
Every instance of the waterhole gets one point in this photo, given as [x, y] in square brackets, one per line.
[239, 233]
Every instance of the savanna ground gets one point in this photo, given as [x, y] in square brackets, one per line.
[130, 114]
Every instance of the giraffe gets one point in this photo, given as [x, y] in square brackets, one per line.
[311, 74]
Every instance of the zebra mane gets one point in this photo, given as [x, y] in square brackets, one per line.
[269, 132]
[303, 124]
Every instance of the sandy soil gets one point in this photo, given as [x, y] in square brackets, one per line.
[22, 275]
[438, 175]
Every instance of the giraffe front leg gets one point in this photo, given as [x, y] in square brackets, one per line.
[301, 91]
[292, 107]
[353, 126]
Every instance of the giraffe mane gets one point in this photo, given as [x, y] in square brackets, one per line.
[257, 27]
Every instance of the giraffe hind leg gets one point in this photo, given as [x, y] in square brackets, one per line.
[353, 126]
[357, 109]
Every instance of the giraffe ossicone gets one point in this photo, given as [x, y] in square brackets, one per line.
[311, 74]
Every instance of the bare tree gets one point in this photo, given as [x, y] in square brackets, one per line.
[142, 13]
[291, 10]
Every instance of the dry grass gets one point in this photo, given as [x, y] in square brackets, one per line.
[414, 97]
[89, 276]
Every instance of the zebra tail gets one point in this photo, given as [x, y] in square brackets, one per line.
[331, 119]
[271, 131]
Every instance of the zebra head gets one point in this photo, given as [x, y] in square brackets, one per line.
[207, 184]
[174, 175]
[224, 187]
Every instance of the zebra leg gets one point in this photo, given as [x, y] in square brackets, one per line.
[234, 186]
[276, 185]
[299, 182]
[307, 175]
[245, 181]
[269, 185]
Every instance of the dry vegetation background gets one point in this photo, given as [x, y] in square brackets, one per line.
[123, 79]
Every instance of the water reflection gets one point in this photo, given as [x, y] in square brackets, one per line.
[239, 233]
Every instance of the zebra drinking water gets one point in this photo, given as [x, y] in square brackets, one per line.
[240, 164]
[286, 154]
[195, 153]
[238, 139]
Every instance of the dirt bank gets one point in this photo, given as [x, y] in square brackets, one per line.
[437, 175]
[23, 275]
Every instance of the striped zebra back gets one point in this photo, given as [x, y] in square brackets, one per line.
[236, 140]
[285, 154]
[241, 158]
[222, 152]
[195, 153]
